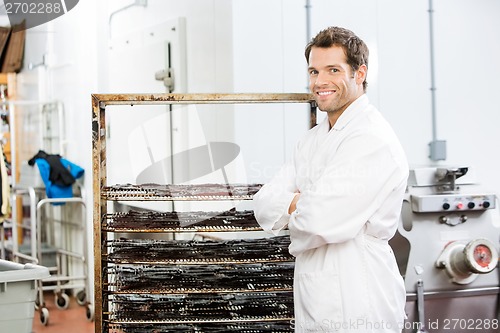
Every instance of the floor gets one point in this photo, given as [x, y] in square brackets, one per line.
[73, 319]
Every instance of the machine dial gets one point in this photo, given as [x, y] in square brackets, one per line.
[481, 256]
[465, 261]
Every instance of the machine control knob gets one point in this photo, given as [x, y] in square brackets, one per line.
[471, 205]
[486, 204]
[446, 206]
[460, 205]
[463, 218]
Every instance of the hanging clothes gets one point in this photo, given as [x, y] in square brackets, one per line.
[4, 189]
[58, 174]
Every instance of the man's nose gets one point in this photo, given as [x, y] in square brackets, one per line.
[321, 78]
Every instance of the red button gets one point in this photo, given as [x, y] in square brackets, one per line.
[460, 205]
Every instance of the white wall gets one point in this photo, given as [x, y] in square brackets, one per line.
[77, 47]
[467, 81]
[397, 33]
[268, 38]
[209, 47]
[465, 71]
[257, 46]
[69, 75]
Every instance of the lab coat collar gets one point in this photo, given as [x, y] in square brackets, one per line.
[351, 112]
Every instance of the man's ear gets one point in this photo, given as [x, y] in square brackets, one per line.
[361, 74]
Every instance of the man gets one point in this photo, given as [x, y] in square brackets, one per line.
[341, 198]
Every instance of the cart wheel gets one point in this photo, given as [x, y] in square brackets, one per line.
[90, 312]
[81, 297]
[44, 316]
[62, 301]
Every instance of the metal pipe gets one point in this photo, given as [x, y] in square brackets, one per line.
[62, 129]
[313, 112]
[494, 290]
[143, 3]
[308, 20]
[13, 150]
[437, 147]
[433, 86]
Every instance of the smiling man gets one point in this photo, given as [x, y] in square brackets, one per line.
[341, 198]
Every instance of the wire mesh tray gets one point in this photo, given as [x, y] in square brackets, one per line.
[284, 326]
[149, 251]
[201, 278]
[201, 307]
[150, 221]
[203, 192]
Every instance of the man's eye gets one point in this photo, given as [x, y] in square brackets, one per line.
[334, 70]
[313, 72]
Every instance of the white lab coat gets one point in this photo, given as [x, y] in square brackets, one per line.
[352, 180]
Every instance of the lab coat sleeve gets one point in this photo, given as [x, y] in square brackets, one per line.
[272, 201]
[355, 183]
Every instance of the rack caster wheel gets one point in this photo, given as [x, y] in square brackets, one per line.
[44, 316]
[62, 301]
[81, 297]
[90, 312]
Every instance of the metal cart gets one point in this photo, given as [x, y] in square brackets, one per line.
[50, 245]
[36, 125]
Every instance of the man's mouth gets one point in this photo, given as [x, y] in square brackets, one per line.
[325, 93]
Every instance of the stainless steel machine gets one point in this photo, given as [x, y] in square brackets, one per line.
[447, 251]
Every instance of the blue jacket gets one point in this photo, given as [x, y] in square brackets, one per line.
[53, 190]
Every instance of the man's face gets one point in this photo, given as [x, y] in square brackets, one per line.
[331, 80]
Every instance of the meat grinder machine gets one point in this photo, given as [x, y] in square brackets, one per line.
[447, 251]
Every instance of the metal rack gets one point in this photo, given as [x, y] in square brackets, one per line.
[146, 284]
